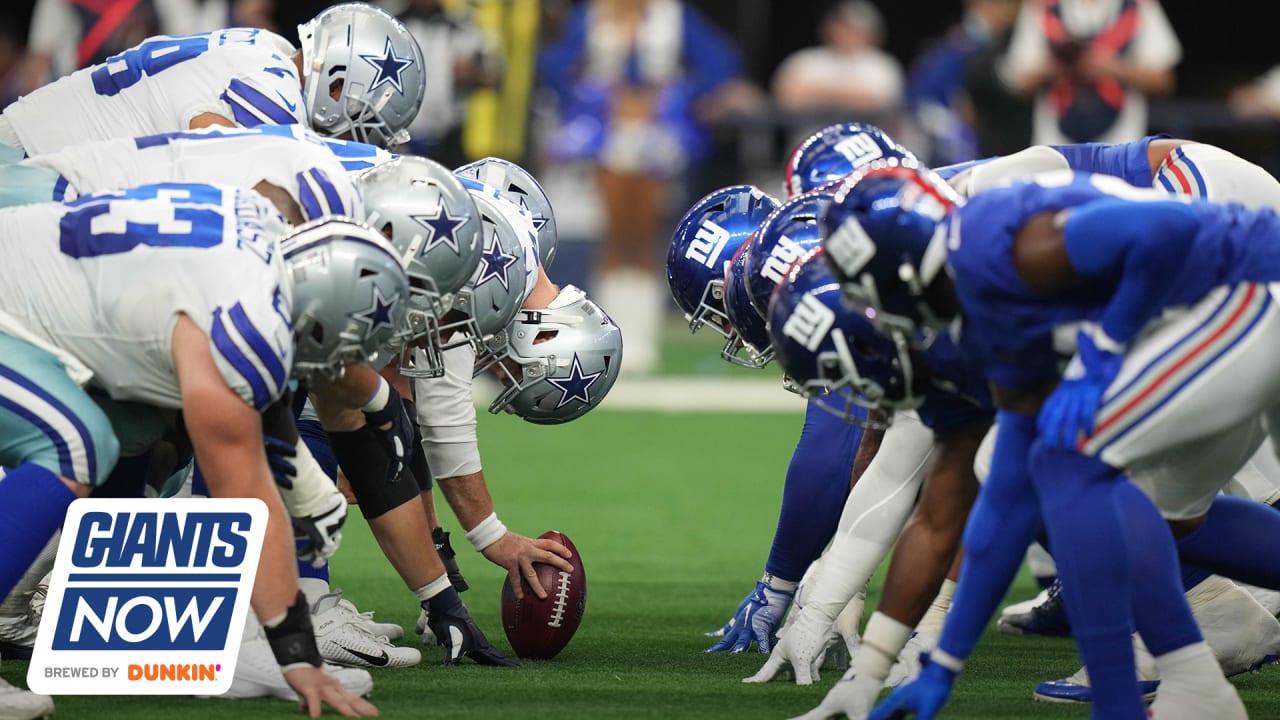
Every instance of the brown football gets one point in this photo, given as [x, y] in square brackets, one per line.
[540, 629]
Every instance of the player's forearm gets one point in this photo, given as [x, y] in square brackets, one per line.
[1145, 243]
[468, 496]
[357, 387]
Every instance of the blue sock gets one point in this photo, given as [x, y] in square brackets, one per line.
[1192, 576]
[1003, 522]
[1078, 500]
[1236, 541]
[313, 435]
[1160, 610]
[127, 479]
[199, 487]
[33, 504]
[814, 492]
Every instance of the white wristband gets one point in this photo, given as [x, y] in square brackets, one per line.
[489, 531]
[776, 583]
[380, 397]
[947, 660]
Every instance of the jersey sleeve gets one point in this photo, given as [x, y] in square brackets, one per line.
[252, 353]
[270, 96]
[447, 417]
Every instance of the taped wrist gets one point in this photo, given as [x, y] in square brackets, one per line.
[364, 462]
[489, 531]
[292, 639]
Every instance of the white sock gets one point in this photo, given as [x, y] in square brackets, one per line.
[1191, 666]
[931, 624]
[433, 588]
[313, 589]
[881, 643]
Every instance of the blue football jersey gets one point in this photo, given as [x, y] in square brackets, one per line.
[960, 395]
[1010, 329]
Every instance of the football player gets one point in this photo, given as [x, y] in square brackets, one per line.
[1062, 465]
[144, 311]
[357, 74]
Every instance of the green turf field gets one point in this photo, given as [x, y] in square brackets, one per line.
[673, 516]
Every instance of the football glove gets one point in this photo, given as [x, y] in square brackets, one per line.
[756, 620]
[453, 628]
[1069, 413]
[318, 535]
[922, 697]
[803, 646]
[852, 698]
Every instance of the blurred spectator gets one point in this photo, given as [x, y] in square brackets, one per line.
[938, 81]
[457, 58]
[1091, 65]
[1259, 97]
[999, 116]
[849, 71]
[635, 81]
[11, 58]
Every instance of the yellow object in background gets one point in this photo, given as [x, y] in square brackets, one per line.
[496, 119]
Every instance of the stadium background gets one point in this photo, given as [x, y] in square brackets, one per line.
[671, 489]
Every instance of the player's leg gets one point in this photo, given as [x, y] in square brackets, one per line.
[57, 444]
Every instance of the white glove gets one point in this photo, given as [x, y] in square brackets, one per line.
[853, 698]
[802, 644]
[908, 666]
[321, 532]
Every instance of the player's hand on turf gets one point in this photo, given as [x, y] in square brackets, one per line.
[852, 698]
[517, 554]
[394, 433]
[922, 697]
[1069, 412]
[802, 646]
[461, 637]
[320, 534]
[317, 688]
[756, 620]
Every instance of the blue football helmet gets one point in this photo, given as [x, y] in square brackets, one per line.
[835, 151]
[884, 239]
[788, 233]
[834, 355]
[748, 342]
[702, 247]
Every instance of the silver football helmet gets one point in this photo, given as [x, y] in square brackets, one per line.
[560, 361]
[361, 72]
[434, 225]
[350, 295]
[484, 307]
[520, 187]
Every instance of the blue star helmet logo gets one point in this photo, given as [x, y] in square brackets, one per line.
[443, 228]
[538, 219]
[379, 311]
[389, 67]
[495, 263]
[577, 386]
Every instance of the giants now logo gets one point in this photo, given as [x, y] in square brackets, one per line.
[148, 584]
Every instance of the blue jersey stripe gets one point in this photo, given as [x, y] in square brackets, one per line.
[227, 347]
[64, 448]
[258, 344]
[310, 204]
[330, 192]
[60, 188]
[250, 102]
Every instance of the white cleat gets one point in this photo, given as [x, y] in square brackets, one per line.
[344, 639]
[258, 674]
[1221, 702]
[19, 704]
[1024, 607]
[390, 631]
[1269, 599]
[908, 666]
[1242, 633]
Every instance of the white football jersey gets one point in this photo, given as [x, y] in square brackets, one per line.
[246, 75]
[104, 278]
[357, 156]
[287, 156]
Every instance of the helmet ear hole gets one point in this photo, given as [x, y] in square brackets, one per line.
[335, 87]
[545, 335]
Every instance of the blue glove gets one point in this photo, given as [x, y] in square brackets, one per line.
[1069, 412]
[757, 618]
[394, 430]
[922, 697]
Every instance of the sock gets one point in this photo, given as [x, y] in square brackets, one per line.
[429, 591]
[883, 640]
[313, 588]
[1192, 576]
[1160, 611]
[814, 493]
[1001, 525]
[1223, 543]
[1078, 501]
[33, 504]
[931, 623]
[127, 478]
[18, 603]
[1191, 667]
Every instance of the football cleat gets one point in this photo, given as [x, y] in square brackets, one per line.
[390, 631]
[259, 675]
[343, 638]
[1049, 618]
[19, 704]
